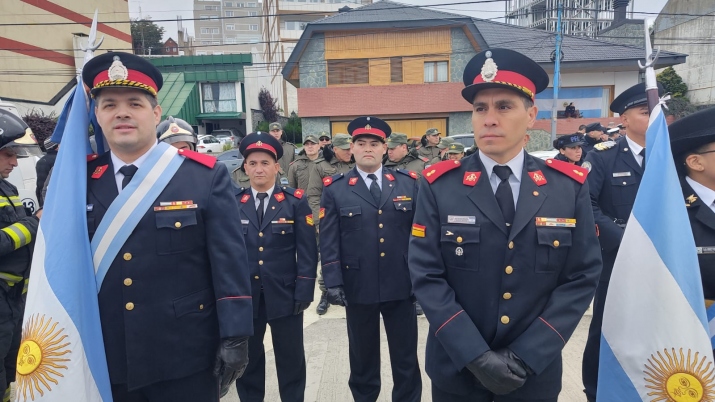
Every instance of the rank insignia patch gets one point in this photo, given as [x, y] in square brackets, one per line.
[471, 178]
[99, 171]
[418, 230]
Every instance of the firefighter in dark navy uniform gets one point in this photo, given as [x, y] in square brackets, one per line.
[503, 255]
[363, 245]
[175, 304]
[283, 256]
[18, 227]
[616, 169]
[692, 140]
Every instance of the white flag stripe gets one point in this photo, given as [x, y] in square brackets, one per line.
[129, 206]
[664, 311]
[42, 298]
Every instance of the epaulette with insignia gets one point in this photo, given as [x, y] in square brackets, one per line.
[408, 173]
[295, 192]
[330, 179]
[438, 169]
[602, 146]
[92, 157]
[206, 160]
[569, 169]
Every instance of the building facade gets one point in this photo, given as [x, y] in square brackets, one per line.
[226, 27]
[171, 48]
[579, 17]
[38, 64]
[405, 64]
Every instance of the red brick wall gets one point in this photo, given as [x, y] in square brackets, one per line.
[382, 100]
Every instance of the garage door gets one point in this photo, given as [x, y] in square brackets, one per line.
[413, 128]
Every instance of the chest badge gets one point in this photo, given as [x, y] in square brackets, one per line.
[459, 251]
[99, 171]
[245, 198]
[471, 178]
[538, 177]
[352, 181]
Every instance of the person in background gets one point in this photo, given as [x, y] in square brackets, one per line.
[299, 170]
[569, 147]
[400, 157]
[276, 130]
[178, 133]
[443, 146]
[594, 131]
[581, 130]
[429, 149]
[455, 152]
[324, 139]
[570, 111]
[43, 168]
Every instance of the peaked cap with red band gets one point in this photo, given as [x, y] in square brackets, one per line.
[121, 70]
[368, 125]
[503, 68]
[261, 141]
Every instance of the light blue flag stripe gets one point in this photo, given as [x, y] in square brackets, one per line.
[711, 321]
[68, 262]
[673, 245]
[620, 387]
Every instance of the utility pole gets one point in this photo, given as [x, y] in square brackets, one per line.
[557, 70]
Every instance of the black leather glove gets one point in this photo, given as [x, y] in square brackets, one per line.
[336, 296]
[507, 354]
[231, 361]
[497, 373]
[299, 307]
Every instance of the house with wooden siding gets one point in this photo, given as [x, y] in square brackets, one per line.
[404, 64]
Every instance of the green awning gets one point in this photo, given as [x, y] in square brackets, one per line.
[220, 116]
[178, 98]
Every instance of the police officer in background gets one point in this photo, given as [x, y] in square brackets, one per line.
[400, 157]
[299, 170]
[178, 133]
[276, 130]
[363, 246]
[337, 158]
[594, 131]
[175, 303]
[692, 140]
[18, 228]
[502, 285]
[283, 256]
[443, 145]
[616, 170]
[569, 147]
[432, 138]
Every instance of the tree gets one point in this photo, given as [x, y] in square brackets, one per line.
[294, 129]
[268, 105]
[146, 37]
[672, 82]
[41, 124]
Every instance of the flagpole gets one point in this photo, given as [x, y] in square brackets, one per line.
[651, 84]
[92, 43]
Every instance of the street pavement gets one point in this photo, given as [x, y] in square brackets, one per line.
[328, 369]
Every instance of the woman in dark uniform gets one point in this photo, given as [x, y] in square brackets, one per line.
[569, 147]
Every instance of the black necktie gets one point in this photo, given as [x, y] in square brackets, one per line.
[642, 153]
[261, 206]
[128, 172]
[505, 198]
[375, 188]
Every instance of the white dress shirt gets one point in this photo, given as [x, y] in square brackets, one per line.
[636, 149]
[118, 164]
[257, 201]
[367, 180]
[707, 195]
[516, 165]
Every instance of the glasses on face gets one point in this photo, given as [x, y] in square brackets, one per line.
[324, 140]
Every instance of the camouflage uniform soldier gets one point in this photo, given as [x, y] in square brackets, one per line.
[276, 130]
[444, 144]
[299, 169]
[430, 150]
[400, 157]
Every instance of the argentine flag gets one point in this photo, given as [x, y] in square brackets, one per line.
[61, 357]
[655, 343]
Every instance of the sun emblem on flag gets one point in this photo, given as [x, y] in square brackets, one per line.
[40, 359]
[673, 377]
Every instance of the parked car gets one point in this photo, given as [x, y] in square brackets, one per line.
[209, 144]
[231, 159]
[228, 136]
[465, 139]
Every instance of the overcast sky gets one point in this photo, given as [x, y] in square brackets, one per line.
[170, 9]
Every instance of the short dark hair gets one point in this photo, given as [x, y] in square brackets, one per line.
[582, 127]
[528, 102]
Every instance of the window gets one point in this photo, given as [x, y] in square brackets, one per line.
[228, 4]
[219, 97]
[229, 13]
[213, 18]
[230, 27]
[205, 17]
[395, 69]
[208, 31]
[240, 5]
[216, 42]
[254, 40]
[253, 13]
[211, 8]
[230, 41]
[295, 25]
[253, 27]
[251, 5]
[354, 71]
[436, 71]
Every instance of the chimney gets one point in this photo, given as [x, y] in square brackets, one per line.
[345, 9]
[619, 10]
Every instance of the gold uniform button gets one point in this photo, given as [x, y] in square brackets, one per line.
[536, 193]
[201, 306]
[283, 232]
[382, 240]
[507, 296]
[380, 225]
[509, 270]
[459, 239]
[556, 243]
[128, 282]
[177, 225]
[260, 262]
[256, 277]
[379, 212]
[511, 245]
[505, 319]
[260, 234]
[127, 256]
[260, 248]
[382, 254]
[347, 267]
[350, 214]
[129, 306]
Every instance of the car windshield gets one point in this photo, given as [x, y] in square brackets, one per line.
[228, 155]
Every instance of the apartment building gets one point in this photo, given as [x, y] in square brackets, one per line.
[226, 27]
